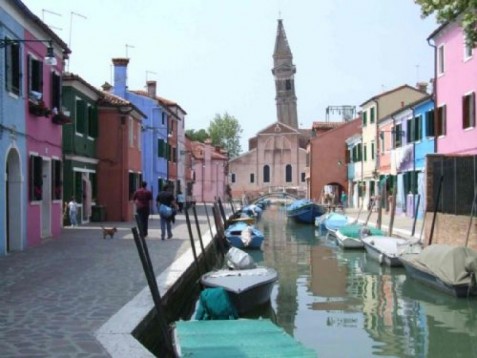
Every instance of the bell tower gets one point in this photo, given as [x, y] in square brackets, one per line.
[284, 73]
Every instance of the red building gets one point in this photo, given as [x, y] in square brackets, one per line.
[327, 157]
[119, 154]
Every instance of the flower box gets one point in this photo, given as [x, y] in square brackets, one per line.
[61, 118]
[38, 109]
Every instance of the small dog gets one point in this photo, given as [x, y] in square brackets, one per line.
[109, 231]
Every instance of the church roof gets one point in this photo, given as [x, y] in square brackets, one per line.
[282, 49]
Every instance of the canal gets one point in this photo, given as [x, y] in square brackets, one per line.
[343, 305]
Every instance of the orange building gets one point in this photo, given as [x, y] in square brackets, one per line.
[119, 154]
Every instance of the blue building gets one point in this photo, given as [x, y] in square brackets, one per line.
[154, 140]
[413, 140]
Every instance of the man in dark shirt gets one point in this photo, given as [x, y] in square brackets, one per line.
[165, 197]
[143, 200]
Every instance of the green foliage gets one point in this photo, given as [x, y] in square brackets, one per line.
[200, 135]
[451, 10]
[225, 131]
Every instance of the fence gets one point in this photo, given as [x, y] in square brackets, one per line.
[459, 178]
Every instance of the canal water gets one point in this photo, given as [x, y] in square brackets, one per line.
[342, 304]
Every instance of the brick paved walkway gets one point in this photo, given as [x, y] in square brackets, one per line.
[55, 296]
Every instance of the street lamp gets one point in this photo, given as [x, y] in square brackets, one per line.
[49, 59]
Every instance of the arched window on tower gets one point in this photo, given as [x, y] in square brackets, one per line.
[266, 174]
[288, 85]
[288, 173]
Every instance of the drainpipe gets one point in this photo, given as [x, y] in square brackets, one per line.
[414, 184]
[434, 94]
[377, 153]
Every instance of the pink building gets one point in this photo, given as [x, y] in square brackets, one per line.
[209, 164]
[42, 85]
[456, 71]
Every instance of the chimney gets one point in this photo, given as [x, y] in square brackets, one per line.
[422, 86]
[120, 76]
[151, 88]
[106, 87]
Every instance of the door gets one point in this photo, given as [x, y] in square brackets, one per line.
[13, 190]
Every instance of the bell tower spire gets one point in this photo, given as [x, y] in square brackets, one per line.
[284, 73]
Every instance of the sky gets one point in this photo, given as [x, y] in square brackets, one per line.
[215, 56]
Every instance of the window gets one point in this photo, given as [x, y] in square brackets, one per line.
[372, 115]
[12, 68]
[468, 111]
[266, 174]
[357, 153]
[174, 154]
[398, 136]
[134, 181]
[288, 173]
[441, 120]
[467, 50]
[161, 148]
[372, 151]
[163, 118]
[288, 85]
[365, 153]
[55, 91]
[252, 178]
[430, 123]
[35, 178]
[232, 177]
[440, 60]
[414, 129]
[80, 115]
[302, 177]
[56, 180]
[35, 76]
[364, 118]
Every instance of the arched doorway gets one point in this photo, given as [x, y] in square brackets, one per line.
[13, 190]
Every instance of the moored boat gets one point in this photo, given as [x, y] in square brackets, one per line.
[247, 288]
[450, 269]
[388, 250]
[349, 236]
[244, 236]
[304, 211]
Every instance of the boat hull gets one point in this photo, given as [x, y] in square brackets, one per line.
[236, 241]
[247, 288]
[347, 242]
[383, 258]
[306, 214]
[429, 279]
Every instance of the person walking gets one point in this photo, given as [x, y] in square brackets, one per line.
[73, 211]
[166, 198]
[180, 201]
[143, 200]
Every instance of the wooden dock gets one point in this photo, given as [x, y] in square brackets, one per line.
[236, 338]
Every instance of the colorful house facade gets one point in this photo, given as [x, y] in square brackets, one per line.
[328, 157]
[119, 153]
[406, 137]
[456, 68]
[372, 111]
[80, 167]
[30, 129]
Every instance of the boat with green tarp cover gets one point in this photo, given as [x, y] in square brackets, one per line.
[236, 338]
[349, 236]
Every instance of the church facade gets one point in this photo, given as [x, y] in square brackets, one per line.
[276, 157]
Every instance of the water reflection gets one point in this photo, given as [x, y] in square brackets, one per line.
[344, 305]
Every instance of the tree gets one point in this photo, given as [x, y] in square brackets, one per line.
[200, 136]
[452, 10]
[225, 131]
